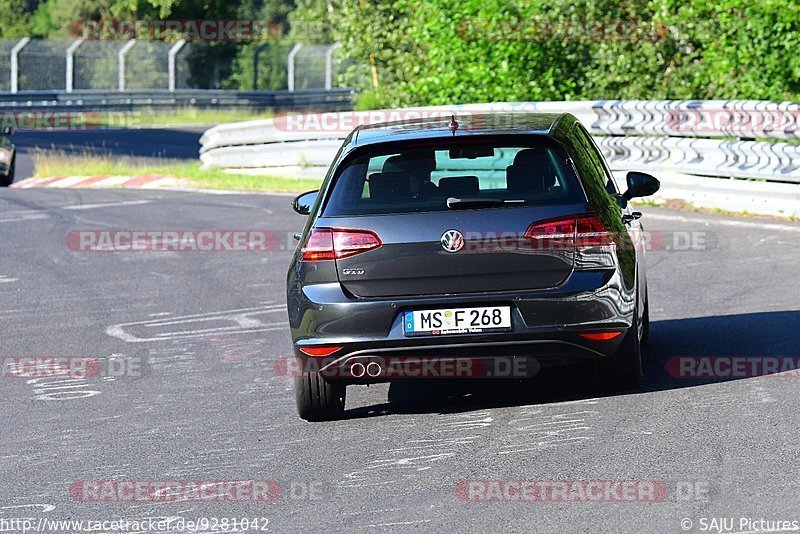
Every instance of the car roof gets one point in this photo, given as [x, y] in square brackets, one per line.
[468, 124]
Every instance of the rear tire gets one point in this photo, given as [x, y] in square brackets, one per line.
[8, 179]
[624, 370]
[318, 398]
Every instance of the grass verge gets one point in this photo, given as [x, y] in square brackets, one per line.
[57, 163]
[186, 116]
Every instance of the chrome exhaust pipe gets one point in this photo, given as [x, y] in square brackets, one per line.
[357, 370]
[374, 369]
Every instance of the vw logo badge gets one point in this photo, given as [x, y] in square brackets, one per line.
[452, 241]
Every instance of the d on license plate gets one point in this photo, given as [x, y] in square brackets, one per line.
[457, 320]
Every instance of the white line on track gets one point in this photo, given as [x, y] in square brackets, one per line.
[398, 523]
[44, 507]
[241, 321]
[29, 215]
[25, 216]
[106, 205]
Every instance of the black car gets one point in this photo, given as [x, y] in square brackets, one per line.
[8, 158]
[466, 241]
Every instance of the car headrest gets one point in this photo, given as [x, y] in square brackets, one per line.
[459, 186]
[385, 186]
[412, 163]
[531, 172]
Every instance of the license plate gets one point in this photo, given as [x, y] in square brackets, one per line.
[457, 320]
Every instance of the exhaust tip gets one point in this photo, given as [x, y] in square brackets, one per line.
[357, 370]
[374, 369]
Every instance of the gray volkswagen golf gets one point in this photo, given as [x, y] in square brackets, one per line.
[481, 246]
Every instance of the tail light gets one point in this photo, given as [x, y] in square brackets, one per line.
[572, 231]
[319, 246]
[348, 243]
[335, 244]
[591, 232]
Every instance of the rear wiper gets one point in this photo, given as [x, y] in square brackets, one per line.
[478, 202]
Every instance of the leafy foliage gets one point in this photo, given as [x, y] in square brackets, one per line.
[407, 52]
[450, 51]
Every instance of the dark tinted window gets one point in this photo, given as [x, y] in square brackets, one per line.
[595, 155]
[416, 179]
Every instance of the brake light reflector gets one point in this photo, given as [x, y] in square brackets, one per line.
[600, 336]
[320, 352]
[331, 244]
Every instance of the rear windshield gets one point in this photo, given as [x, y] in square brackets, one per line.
[419, 179]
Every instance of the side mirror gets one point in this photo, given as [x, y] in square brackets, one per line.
[7, 130]
[640, 184]
[302, 203]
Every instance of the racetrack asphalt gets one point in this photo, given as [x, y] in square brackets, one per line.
[209, 401]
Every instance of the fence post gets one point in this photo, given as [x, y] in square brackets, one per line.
[329, 65]
[121, 63]
[15, 62]
[290, 66]
[173, 51]
[71, 63]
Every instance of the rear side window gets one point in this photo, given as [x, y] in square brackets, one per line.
[599, 169]
[418, 179]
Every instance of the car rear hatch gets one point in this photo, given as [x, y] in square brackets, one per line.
[413, 258]
[453, 219]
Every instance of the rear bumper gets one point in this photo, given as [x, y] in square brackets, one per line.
[546, 324]
[490, 359]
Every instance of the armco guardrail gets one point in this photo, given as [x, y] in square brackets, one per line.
[698, 118]
[695, 142]
[309, 99]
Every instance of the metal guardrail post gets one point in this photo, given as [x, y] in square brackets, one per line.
[121, 63]
[173, 51]
[290, 66]
[15, 63]
[329, 65]
[71, 63]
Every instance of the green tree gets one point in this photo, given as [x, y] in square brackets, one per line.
[16, 19]
[446, 51]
